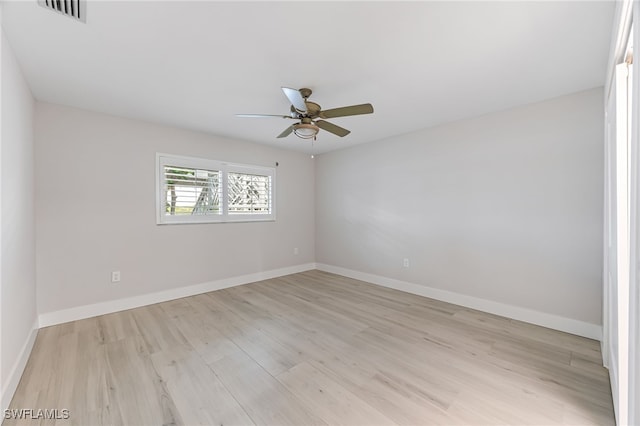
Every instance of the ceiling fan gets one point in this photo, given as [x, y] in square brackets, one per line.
[310, 116]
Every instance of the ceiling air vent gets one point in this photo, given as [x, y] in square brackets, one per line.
[75, 9]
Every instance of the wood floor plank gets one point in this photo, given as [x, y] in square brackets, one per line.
[247, 334]
[312, 348]
[200, 331]
[156, 337]
[329, 400]
[196, 391]
[265, 399]
[135, 387]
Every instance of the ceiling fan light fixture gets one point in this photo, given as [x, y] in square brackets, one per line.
[305, 130]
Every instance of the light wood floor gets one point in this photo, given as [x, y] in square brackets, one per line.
[313, 348]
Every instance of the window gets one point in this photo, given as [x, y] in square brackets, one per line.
[249, 193]
[195, 190]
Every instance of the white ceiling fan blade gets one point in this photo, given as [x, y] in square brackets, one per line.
[295, 98]
[262, 116]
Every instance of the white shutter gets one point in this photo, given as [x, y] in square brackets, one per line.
[249, 194]
[191, 191]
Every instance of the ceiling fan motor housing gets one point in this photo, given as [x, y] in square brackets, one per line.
[305, 92]
[313, 110]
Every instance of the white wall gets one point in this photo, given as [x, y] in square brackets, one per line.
[506, 207]
[95, 192]
[17, 226]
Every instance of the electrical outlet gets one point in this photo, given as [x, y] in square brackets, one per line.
[115, 276]
[296, 251]
[405, 263]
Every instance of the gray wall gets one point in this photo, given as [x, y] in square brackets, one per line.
[505, 207]
[95, 192]
[17, 225]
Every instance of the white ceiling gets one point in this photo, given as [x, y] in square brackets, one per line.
[196, 64]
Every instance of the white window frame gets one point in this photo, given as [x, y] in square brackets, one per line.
[224, 168]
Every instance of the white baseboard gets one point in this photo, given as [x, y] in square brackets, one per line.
[568, 325]
[102, 308]
[9, 387]
[555, 322]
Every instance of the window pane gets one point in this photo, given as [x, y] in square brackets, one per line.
[249, 194]
[191, 191]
